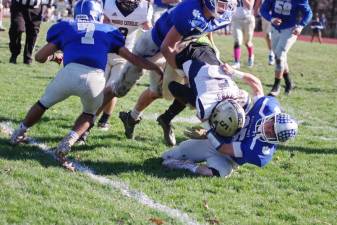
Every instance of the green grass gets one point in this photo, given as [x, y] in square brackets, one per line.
[297, 187]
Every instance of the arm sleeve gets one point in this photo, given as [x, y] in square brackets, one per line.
[55, 34]
[306, 14]
[118, 41]
[265, 10]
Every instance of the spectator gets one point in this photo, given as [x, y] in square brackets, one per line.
[47, 10]
[26, 16]
[316, 27]
[1, 16]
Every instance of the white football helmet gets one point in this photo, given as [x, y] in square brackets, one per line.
[227, 118]
[285, 128]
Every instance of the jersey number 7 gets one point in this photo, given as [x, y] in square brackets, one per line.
[89, 32]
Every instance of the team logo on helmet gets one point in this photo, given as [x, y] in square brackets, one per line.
[227, 118]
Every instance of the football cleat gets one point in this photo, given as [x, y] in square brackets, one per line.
[250, 62]
[288, 88]
[271, 59]
[289, 84]
[236, 65]
[19, 136]
[169, 137]
[103, 126]
[65, 163]
[83, 139]
[129, 124]
[275, 91]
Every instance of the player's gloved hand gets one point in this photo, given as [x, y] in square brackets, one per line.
[276, 21]
[195, 132]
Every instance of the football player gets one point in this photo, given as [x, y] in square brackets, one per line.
[243, 24]
[129, 16]
[255, 144]
[209, 82]
[266, 28]
[85, 47]
[185, 22]
[283, 15]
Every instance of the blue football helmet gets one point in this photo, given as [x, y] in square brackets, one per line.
[219, 7]
[285, 128]
[88, 10]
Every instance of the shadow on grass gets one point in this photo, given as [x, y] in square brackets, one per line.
[308, 88]
[25, 152]
[308, 150]
[151, 166]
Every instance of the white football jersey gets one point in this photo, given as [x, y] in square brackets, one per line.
[241, 11]
[128, 24]
[211, 86]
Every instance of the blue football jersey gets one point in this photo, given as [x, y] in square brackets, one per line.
[288, 11]
[254, 149]
[159, 3]
[189, 20]
[85, 43]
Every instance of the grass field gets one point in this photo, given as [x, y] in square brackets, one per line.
[298, 187]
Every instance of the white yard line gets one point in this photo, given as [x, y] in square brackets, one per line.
[6, 128]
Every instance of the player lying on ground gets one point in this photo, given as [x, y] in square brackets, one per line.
[255, 144]
[85, 43]
[208, 83]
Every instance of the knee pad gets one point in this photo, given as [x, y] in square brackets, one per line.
[236, 45]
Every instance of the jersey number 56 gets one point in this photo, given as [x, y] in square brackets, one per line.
[282, 7]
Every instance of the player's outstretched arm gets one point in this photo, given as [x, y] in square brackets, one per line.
[139, 61]
[46, 53]
[168, 47]
[251, 80]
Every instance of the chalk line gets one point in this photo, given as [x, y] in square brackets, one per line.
[6, 128]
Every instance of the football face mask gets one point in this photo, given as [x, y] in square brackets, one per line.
[283, 128]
